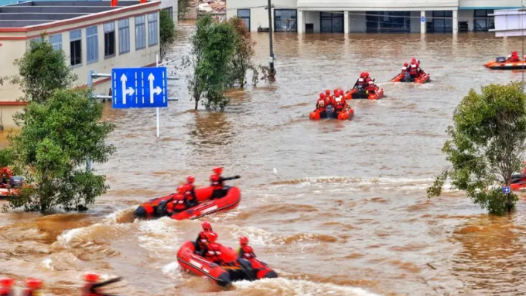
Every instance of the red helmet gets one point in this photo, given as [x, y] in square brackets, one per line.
[406, 64]
[6, 282]
[335, 91]
[91, 277]
[362, 75]
[322, 95]
[327, 92]
[206, 226]
[243, 240]
[33, 283]
[413, 60]
[218, 170]
[211, 237]
[190, 179]
[366, 74]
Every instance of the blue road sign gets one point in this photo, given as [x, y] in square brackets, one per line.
[139, 87]
[506, 189]
[423, 19]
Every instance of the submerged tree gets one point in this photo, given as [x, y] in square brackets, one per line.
[487, 140]
[56, 139]
[244, 52]
[213, 47]
[166, 32]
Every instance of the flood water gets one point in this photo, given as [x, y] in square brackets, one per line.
[337, 208]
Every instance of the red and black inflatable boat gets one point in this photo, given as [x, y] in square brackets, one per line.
[234, 270]
[157, 207]
[357, 93]
[423, 78]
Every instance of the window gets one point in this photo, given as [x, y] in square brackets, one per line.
[244, 15]
[75, 47]
[443, 21]
[140, 32]
[153, 29]
[170, 11]
[124, 36]
[56, 41]
[37, 39]
[92, 44]
[482, 21]
[331, 22]
[285, 20]
[109, 39]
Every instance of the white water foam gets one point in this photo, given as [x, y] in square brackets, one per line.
[282, 286]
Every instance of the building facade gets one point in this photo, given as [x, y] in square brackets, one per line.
[123, 36]
[371, 16]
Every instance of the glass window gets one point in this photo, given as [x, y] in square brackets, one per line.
[331, 22]
[153, 29]
[92, 44]
[285, 20]
[124, 36]
[56, 41]
[109, 39]
[75, 47]
[244, 15]
[37, 39]
[482, 21]
[140, 32]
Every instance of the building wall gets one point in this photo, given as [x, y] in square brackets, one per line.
[313, 17]
[361, 5]
[489, 4]
[258, 13]
[13, 49]
[466, 16]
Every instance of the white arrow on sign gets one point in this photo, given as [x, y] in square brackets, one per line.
[125, 92]
[157, 90]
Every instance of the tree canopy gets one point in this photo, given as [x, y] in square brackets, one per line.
[166, 32]
[486, 145]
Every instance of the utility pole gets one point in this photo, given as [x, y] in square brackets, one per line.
[271, 58]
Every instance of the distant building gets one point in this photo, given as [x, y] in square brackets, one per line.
[94, 36]
[371, 16]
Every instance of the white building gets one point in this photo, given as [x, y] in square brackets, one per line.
[93, 35]
[370, 16]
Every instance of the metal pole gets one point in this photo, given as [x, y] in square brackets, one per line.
[90, 85]
[271, 58]
[157, 65]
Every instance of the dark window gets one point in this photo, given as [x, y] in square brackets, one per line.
[109, 39]
[331, 22]
[244, 14]
[443, 21]
[170, 11]
[482, 22]
[388, 21]
[285, 20]
[75, 47]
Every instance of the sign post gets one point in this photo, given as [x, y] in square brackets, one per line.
[423, 19]
[140, 88]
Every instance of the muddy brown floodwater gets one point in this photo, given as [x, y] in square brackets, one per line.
[337, 208]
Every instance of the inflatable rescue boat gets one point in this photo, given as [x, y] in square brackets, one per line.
[345, 115]
[233, 270]
[360, 93]
[12, 187]
[423, 78]
[501, 63]
[157, 207]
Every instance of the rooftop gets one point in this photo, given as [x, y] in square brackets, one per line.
[41, 12]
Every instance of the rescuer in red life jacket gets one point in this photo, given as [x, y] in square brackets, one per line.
[213, 249]
[328, 97]
[217, 183]
[340, 103]
[514, 57]
[6, 175]
[6, 287]
[321, 106]
[190, 186]
[202, 241]
[414, 69]
[33, 287]
[91, 286]
[245, 251]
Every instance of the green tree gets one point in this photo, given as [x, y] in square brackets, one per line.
[213, 47]
[167, 32]
[487, 140]
[242, 59]
[42, 71]
[182, 8]
[56, 139]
